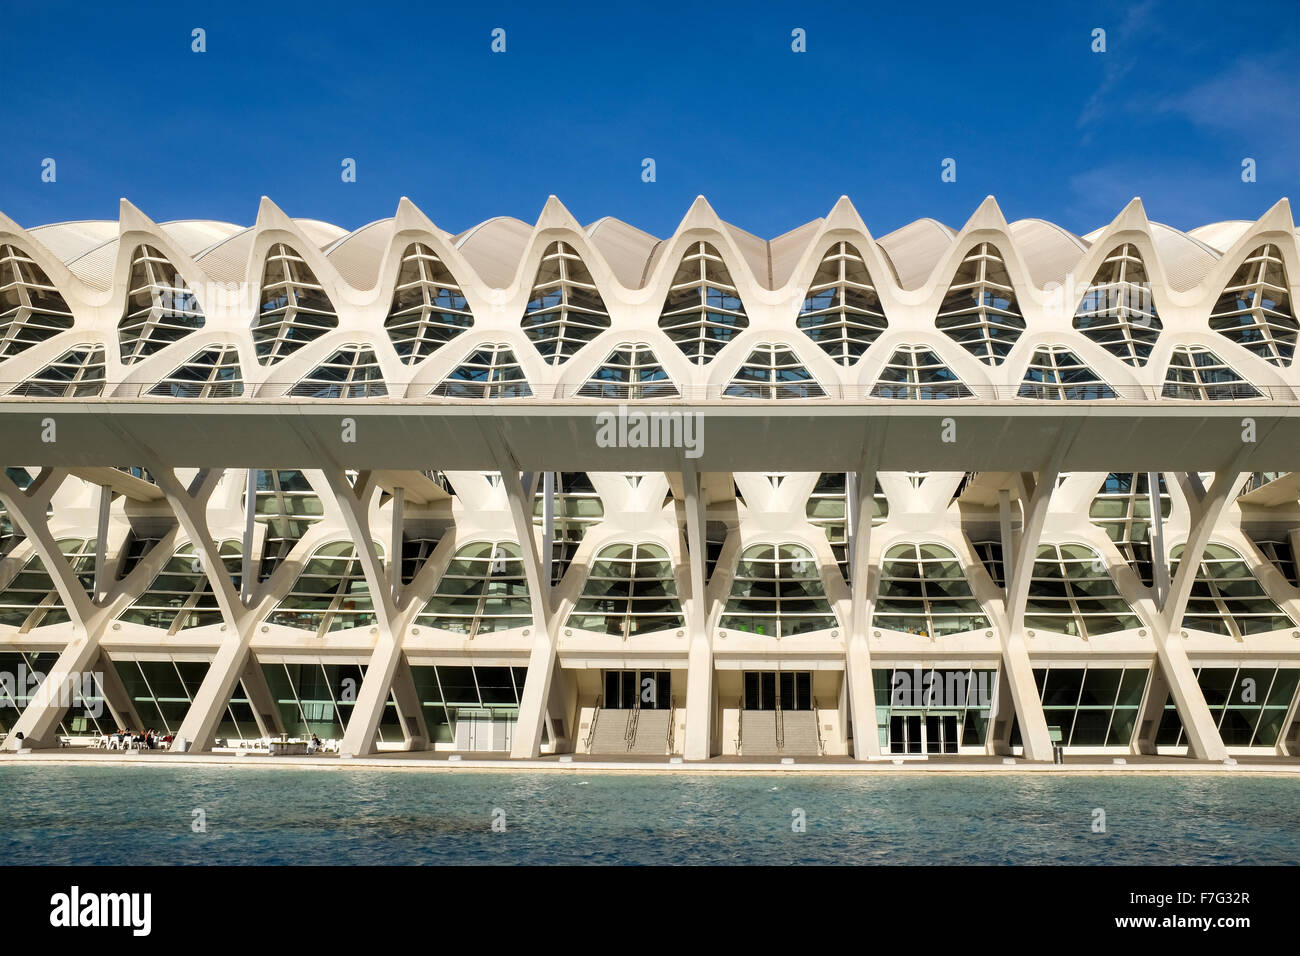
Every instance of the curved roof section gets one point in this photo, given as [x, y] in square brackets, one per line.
[495, 247]
[68, 240]
[916, 249]
[359, 254]
[626, 248]
[1048, 251]
[1221, 235]
[785, 251]
[1186, 260]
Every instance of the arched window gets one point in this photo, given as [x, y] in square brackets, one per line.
[1070, 591]
[842, 312]
[917, 372]
[331, 593]
[629, 591]
[1227, 598]
[77, 373]
[1122, 509]
[483, 591]
[160, 308]
[294, 307]
[181, 597]
[923, 590]
[351, 372]
[777, 591]
[1056, 373]
[703, 311]
[773, 372]
[490, 371]
[565, 310]
[631, 371]
[428, 308]
[212, 373]
[31, 599]
[980, 312]
[1198, 374]
[1118, 311]
[31, 308]
[1255, 308]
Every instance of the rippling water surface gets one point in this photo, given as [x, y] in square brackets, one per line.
[97, 815]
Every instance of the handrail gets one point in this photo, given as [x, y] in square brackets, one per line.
[633, 719]
[817, 722]
[591, 733]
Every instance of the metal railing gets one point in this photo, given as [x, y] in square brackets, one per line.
[569, 393]
[634, 718]
[595, 716]
[817, 723]
[740, 724]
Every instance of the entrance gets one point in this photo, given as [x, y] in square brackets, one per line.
[924, 732]
[792, 688]
[649, 690]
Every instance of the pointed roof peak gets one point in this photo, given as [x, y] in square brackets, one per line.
[130, 217]
[988, 215]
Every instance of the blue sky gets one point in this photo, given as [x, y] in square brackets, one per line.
[711, 91]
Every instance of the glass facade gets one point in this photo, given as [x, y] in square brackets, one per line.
[703, 311]
[632, 371]
[923, 590]
[565, 310]
[318, 698]
[31, 600]
[773, 371]
[351, 372]
[77, 373]
[428, 308]
[842, 312]
[629, 591]
[31, 308]
[1118, 311]
[160, 308]
[1249, 705]
[980, 312]
[933, 711]
[1197, 374]
[331, 593]
[181, 597]
[294, 307]
[1092, 706]
[1227, 598]
[485, 699]
[777, 590]
[1056, 373]
[482, 591]
[1255, 308]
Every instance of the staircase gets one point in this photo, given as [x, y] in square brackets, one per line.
[650, 732]
[801, 738]
[758, 734]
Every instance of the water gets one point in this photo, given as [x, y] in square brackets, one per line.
[130, 815]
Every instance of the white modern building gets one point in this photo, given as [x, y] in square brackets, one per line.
[559, 488]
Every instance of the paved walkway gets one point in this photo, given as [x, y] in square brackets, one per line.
[583, 763]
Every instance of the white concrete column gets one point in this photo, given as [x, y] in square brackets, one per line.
[699, 666]
[101, 542]
[857, 667]
[409, 712]
[247, 564]
[1159, 558]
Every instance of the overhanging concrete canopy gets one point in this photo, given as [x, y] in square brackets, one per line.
[559, 436]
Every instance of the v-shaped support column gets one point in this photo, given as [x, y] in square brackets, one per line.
[39, 722]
